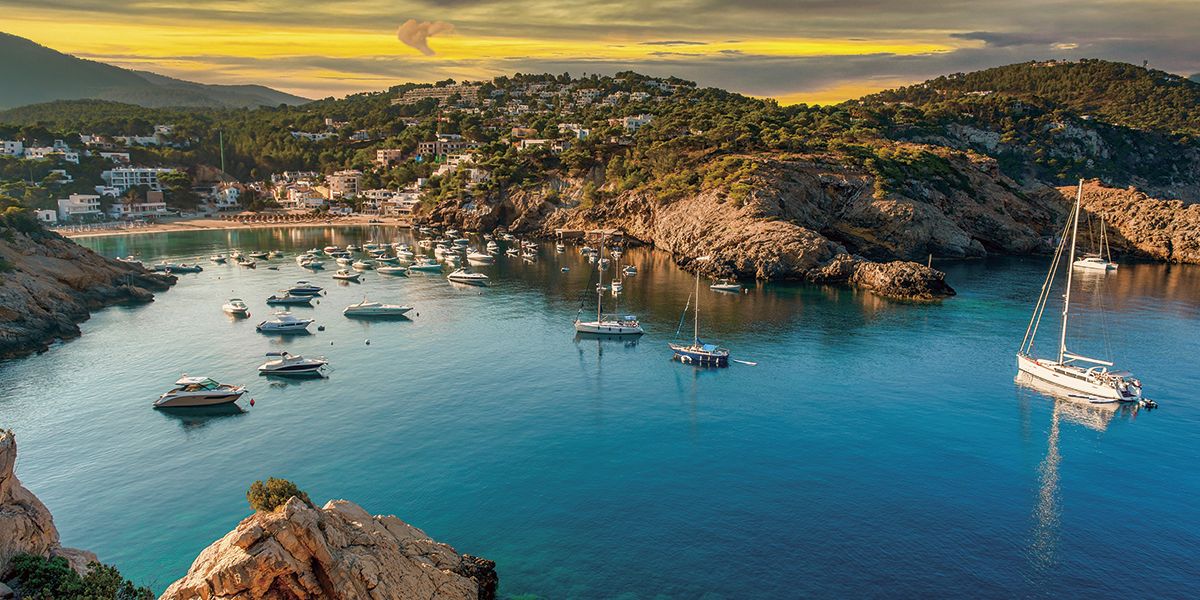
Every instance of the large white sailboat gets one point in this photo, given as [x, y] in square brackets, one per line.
[607, 324]
[1089, 378]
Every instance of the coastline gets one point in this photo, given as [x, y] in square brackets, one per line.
[210, 224]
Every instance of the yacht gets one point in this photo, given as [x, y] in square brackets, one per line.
[392, 270]
[560, 248]
[375, 309]
[726, 285]
[199, 391]
[467, 277]
[313, 264]
[275, 254]
[284, 322]
[259, 255]
[1091, 378]
[362, 265]
[426, 264]
[247, 262]
[607, 324]
[512, 251]
[331, 249]
[1100, 258]
[236, 307]
[630, 270]
[289, 298]
[384, 259]
[493, 247]
[698, 352]
[345, 261]
[347, 275]
[480, 258]
[218, 258]
[291, 365]
[304, 288]
[351, 248]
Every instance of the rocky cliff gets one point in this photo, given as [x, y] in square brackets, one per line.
[48, 284]
[26, 526]
[1137, 225]
[337, 552]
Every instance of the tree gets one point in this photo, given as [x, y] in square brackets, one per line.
[266, 497]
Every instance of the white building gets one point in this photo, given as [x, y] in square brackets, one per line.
[344, 184]
[636, 122]
[226, 198]
[46, 216]
[117, 157]
[79, 206]
[385, 157]
[11, 148]
[152, 206]
[313, 137]
[124, 178]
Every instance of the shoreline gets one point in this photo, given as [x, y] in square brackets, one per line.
[209, 224]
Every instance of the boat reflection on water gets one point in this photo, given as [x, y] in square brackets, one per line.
[195, 417]
[607, 339]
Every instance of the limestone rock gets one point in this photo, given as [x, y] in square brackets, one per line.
[340, 551]
[902, 280]
[49, 284]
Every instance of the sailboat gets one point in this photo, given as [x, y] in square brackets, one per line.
[607, 324]
[1101, 259]
[1096, 382]
[698, 352]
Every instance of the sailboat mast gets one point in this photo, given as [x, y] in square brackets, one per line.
[696, 323]
[600, 279]
[1062, 339]
[1104, 241]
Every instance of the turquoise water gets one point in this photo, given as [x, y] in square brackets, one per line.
[878, 448]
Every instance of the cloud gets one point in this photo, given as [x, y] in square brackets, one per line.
[416, 33]
[674, 43]
[997, 39]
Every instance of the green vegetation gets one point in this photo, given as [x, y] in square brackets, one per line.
[266, 497]
[39, 578]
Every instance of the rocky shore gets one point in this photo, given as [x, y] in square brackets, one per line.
[338, 551]
[1139, 225]
[49, 284]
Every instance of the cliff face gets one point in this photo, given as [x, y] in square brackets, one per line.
[48, 284]
[338, 552]
[1144, 227]
[26, 526]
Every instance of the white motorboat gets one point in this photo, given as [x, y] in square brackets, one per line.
[480, 258]
[313, 264]
[404, 255]
[351, 248]
[362, 265]
[392, 270]
[617, 285]
[347, 275]
[199, 391]
[560, 248]
[331, 249]
[1090, 378]
[345, 261]
[467, 277]
[292, 365]
[288, 298]
[607, 324]
[629, 270]
[426, 264]
[512, 252]
[304, 288]
[236, 307]
[247, 262]
[1094, 262]
[493, 247]
[384, 259]
[178, 268]
[218, 258]
[698, 352]
[726, 285]
[375, 309]
[284, 322]
[260, 255]
[275, 254]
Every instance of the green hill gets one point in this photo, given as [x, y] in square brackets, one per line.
[33, 74]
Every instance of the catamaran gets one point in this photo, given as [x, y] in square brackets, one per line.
[699, 352]
[607, 324]
[1095, 383]
[1101, 258]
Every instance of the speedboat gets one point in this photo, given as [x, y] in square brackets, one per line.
[291, 365]
[512, 252]
[346, 275]
[351, 248]
[304, 288]
[725, 285]
[426, 264]
[199, 391]
[289, 298]
[375, 309]
[218, 258]
[313, 264]
[362, 265]
[178, 268]
[345, 261]
[617, 286]
[236, 307]
[629, 270]
[480, 258]
[259, 255]
[275, 254]
[404, 254]
[467, 277]
[248, 263]
[332, 249]
[400, 271]
[284, 322]
[560, 248]
[384, 259]
[493, 247]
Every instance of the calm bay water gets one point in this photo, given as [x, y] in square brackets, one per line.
[878, 449]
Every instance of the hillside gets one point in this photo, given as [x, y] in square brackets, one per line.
[33, 74]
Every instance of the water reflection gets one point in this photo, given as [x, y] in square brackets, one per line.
[192, 418]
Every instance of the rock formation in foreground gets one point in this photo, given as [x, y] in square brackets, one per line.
[49, 284]
[338, 552]
[26, 526]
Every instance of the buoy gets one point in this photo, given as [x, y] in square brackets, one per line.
[320, 328]
[252, 402]
[368, 342]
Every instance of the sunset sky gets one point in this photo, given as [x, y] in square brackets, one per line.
[798, 51]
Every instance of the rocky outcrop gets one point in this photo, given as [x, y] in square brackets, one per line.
[26, 526]
[49, 284]
[338, 552]
[1136, 224]
[896, 279]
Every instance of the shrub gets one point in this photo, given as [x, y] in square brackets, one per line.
[266, 497]
[40, 578]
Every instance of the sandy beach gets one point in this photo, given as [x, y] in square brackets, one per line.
[206, 223]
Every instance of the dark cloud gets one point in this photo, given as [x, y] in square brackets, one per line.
[1006, 40]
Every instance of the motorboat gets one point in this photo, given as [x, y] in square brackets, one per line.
[467, 277]
[292, 365]
[493, 247]
[461, 242]
[218, 258]
[284, 322]
[384, 259]
[699, 352]
[560, 248]
[288, 298]
[236, 307]
[630, 270]
[617, 285]
[362, 265]
[351, 248]
[512, 252]
[480, 258]
[726, 285]
[426, 264]
[345, 261]
[1093, 379]
[304, 288]
[313, 264]
[392, 270]
[259, 255]
[249, 263]
[375, 309]
[332, 249]
[130, 260]
[199, 391]
[1094, 262]
[404, 254]
[178, 268]
[347, 275]
[275, 254]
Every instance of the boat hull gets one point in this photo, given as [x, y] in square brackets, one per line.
[607, 328]
[193, 400]
[1051, 373]
[693, 356]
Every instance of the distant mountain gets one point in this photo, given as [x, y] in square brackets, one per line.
[33, 73]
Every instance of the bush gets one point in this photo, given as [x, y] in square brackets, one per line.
[266, 497]
[40, 578]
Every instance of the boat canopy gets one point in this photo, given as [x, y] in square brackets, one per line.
[206, 382]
